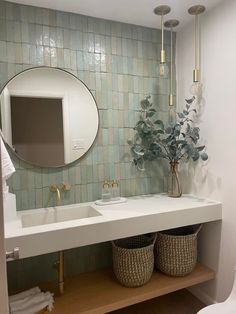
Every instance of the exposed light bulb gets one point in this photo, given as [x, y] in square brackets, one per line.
[196, 89]
[163, 70]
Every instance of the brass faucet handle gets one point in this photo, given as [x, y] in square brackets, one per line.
[66, 186]
[53, 188]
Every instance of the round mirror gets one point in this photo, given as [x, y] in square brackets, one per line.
[49, 117]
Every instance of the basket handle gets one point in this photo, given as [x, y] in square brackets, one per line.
[155, 238]
[198, 229]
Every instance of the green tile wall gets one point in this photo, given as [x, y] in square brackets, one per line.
[118, 63]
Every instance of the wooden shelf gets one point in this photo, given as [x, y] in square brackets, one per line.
[99, 292]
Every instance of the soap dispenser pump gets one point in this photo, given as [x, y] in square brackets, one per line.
[106, 195]
[115, 191]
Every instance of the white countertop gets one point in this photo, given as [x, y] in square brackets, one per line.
[141, 214]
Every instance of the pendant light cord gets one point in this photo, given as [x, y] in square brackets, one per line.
[196, 42]
[162, 33]
[171, 60]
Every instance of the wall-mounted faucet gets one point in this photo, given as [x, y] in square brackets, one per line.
[55, 188]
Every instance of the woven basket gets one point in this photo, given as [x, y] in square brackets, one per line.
[176, 250]
[133, 259]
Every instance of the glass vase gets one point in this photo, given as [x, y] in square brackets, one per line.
[174, 185]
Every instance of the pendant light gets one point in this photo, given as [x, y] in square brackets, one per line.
[171, 24]
[196, 88]
[163, 68]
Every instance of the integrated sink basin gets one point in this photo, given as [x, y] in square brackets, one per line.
[57, 214]
[46, 230]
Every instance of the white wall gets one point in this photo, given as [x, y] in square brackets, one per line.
[217, 178]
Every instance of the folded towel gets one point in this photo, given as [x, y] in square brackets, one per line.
[34, 309]
[31, 303]
[7, 166]
[24, 294]
[27, 302]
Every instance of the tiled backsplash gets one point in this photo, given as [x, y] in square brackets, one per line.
[118, 63]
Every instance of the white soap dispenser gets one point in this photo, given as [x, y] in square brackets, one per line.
[106, 194]
[115, 191]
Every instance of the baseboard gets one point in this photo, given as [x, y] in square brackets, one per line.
[201, 295]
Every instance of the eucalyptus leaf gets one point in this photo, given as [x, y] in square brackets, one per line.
[180, 115]
[200, 148]
[145, 104]
[177, 133]
[168, 130]
[204, 156]
[190, 101]
[188, 128]
[181, 142]
[150, 114]
[195, 157]
[140, 165]
[160, 123]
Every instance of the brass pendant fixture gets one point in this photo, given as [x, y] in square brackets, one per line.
[171, 24]
[196, 87]
[162, 10]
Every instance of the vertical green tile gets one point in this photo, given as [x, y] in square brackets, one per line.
[3, 10]
[117, 61]
[45, 16]
[3, 30]
[3, 51]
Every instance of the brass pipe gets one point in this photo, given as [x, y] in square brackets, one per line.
[61, 272]
[59, 265]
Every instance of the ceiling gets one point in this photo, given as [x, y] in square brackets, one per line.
[139, 12]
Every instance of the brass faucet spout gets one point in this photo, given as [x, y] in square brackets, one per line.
[54, 188]
[58, 197]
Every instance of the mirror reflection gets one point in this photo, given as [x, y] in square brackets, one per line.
[48, 117]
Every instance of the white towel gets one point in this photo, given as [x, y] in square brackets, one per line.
[31, 302]
[34, 309]
[7, 167]
[24, 294]
[27, 302]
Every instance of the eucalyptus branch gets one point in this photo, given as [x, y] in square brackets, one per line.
[172, 143]
[167, 153]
